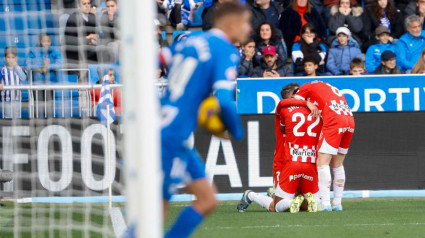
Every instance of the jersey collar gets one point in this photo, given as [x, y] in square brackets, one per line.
[219, 33]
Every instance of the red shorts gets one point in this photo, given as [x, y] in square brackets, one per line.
[297, 177]
[336, 135]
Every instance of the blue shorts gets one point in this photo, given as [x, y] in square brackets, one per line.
[180, 165]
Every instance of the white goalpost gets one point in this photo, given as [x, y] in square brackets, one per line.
[141, 119]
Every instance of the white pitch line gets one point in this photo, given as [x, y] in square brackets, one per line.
[311, 226]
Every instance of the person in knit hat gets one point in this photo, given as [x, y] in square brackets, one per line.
[343, 49]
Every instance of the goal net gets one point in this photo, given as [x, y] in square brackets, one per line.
[61, 69]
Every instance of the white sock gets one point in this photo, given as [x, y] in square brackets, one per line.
[325, 180]
[261, 200]
[338, 184]
[283, 205]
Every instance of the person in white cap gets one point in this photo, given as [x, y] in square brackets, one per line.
[342, 51]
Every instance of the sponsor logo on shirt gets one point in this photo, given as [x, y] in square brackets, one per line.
[343, 130]
[297, 176]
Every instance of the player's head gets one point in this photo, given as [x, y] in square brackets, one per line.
[111, 75]
[289, 90]
[84, 5]
[357, 66]
[111, 7]
[233, 19]
[311, 63]
[45, 40]
[10, 55]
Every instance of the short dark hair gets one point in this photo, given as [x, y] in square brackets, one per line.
[116, 1]
[311, 58]
[250, 39]
[10, 50]
[228, 8]
[288, 89]
[40, 37]
[356, 62]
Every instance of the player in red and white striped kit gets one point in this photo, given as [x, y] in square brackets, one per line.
[335, 139]
[299, 173]
[278, 160]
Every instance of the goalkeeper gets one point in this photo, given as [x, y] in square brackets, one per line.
[200, 65]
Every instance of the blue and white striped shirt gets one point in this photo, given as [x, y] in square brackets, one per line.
[12, 77]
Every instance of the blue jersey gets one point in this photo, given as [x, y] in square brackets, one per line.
[200, 65]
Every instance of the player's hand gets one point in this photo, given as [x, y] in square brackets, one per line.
[46, 62]
[1, 86]
[314, 110]
[249, 54]
[225, 135]
[267, 74]
[275, 74]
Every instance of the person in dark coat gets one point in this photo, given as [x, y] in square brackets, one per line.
[416, 8]
[208, 12]
[271, 66]
[264, 11]
[308, 45]
[267, 35]
[246, 65]
[81, 36]
[295, 17]
[388, 64]
[346, 14]
[381, 12]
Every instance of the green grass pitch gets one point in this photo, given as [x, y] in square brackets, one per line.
[373, 217]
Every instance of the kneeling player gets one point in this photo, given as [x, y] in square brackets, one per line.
[299, 174]
[278, 160]
[336, 135]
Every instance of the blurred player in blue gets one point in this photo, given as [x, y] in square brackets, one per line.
[199, 66]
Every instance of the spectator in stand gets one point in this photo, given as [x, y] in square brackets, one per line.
[410, 45]
[271, 66]
[267, 35]
[308, 45]
[181, 12]
[416, 8]
[265, 11]
[381, 12]
[388, 65]
[44, 60]
[207, 14]
[246, 66]
[115, 93]
[346, 14]
[404, 4]
[161, 12]
[81, 36]
[420, 65]
[11, 75]
[109, 27]
[311, 64]
[299, 13]
[373, 54]
[342, 51]
[357, 67]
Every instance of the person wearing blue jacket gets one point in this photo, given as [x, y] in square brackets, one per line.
[410, 45]
[44, 60]
[373, 53]
[342, 51]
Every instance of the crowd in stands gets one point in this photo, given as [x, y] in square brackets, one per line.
[333, 37]
[290, 38]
